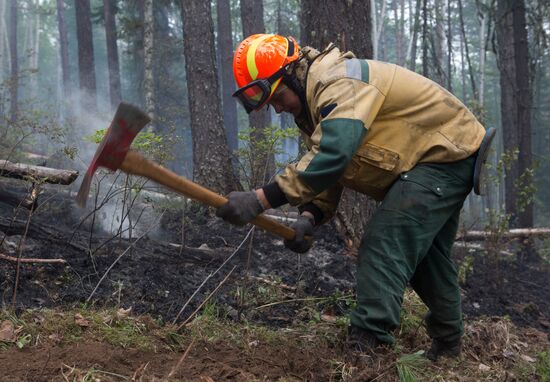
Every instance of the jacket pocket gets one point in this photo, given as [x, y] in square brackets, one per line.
[378, 157]
[372, 170]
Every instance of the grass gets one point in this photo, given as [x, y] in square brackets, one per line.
[543, 366]
[486, 341]
[410, 366]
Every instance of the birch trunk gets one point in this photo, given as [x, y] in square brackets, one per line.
[148, 52]
[378, 29]
[14, 83]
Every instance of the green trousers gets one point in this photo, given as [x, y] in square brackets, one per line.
[409, 240]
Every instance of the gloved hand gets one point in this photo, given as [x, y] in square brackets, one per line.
[302, 226]
[240, 208]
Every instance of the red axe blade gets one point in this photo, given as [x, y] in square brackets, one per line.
[128, 121]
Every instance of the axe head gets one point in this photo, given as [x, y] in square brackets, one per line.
[128, 121]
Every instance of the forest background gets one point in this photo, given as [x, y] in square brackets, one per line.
[65, 65]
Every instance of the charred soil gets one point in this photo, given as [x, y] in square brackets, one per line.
[167, 271]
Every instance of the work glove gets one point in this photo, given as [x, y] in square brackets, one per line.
[303, 226]
[241, 207]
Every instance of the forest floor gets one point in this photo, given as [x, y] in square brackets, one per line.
[150, 308]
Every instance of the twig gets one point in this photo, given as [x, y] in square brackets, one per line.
[273, 283]
[212, 274]
[181, 359]
[19, 253]
[140, 370]
[300, 299]
[14, 259]
[206, 299]
[122, 254]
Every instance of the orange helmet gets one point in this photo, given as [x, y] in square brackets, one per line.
[259, 64]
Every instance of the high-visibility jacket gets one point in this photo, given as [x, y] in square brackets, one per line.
[371, 122]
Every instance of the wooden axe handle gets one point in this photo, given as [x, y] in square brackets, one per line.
[136, 164]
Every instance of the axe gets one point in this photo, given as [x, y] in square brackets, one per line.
[114, 153]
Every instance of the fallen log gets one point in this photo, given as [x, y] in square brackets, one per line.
[510, 234]
[29, 260]
[43, 174]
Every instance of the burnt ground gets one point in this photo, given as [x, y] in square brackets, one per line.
[156, 276]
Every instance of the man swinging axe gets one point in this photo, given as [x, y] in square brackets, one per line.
[391, 134]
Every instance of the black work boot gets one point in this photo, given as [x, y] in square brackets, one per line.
[441, 348]
[361, 340]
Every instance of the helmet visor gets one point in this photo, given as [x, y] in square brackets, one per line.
[253, 95]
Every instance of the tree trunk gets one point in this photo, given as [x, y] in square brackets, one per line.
[416, 25]
[438, 40]
[350, 27]
[401, 58]
[63, 47]
[263, 164]
[449, 47]
[287, 119]
[376, 27]
[482, 15]
[4, 44]
[137, 90]
[14, 83]
[225, 48]
[466, 49]
[4, 54]
[148, 52]
[34, 50]
[513, 63]
[425, 67]
[112, 52]
[211, 165]
[86, 67]
[347, 25]
[398, 39]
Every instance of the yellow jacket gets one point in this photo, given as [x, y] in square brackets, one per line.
[372, 121]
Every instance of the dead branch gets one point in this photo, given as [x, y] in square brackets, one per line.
[206, 299]
[212, 274]
[123, 253]
[41, 261]
[511, 234]
[45, 174]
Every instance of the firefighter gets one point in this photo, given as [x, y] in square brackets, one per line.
[384, 131]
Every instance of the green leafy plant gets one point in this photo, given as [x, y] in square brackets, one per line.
[152, 144]
[257, 149]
